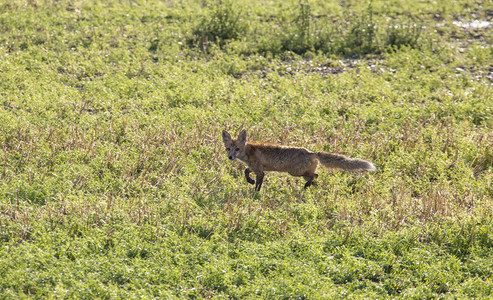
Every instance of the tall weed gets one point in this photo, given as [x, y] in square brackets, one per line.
[296, 35]
[300, 31]
[402, 33]
[221, 23]
[361, 37]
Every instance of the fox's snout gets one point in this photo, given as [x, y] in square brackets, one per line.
[232, 155]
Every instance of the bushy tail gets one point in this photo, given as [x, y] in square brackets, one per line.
[338, 161]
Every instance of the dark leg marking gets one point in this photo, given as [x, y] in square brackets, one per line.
[310, 180]
[258, 182]
[247, 176]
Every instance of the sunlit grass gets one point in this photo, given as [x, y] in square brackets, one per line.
[114, 182]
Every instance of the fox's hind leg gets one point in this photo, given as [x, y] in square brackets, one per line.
[247, 176]
[310, 180]
[310, 174]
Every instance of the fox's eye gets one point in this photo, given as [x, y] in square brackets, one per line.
[237, 149]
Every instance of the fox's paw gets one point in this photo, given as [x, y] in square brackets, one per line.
[250, 181]
[310, 183]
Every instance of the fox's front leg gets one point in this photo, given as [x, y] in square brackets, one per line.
[258, 181]
[247, 176]
[258, 169]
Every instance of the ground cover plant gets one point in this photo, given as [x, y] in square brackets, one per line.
[114, 182]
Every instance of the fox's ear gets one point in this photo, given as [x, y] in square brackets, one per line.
[242, 137]
[226, 137]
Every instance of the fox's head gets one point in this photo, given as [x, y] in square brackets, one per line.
[235, 148]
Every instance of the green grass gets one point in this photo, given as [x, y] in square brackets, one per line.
[114, 182]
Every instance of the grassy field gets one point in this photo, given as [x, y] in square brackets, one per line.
[114, 182]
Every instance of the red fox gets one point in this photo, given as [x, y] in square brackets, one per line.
[297, 161]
